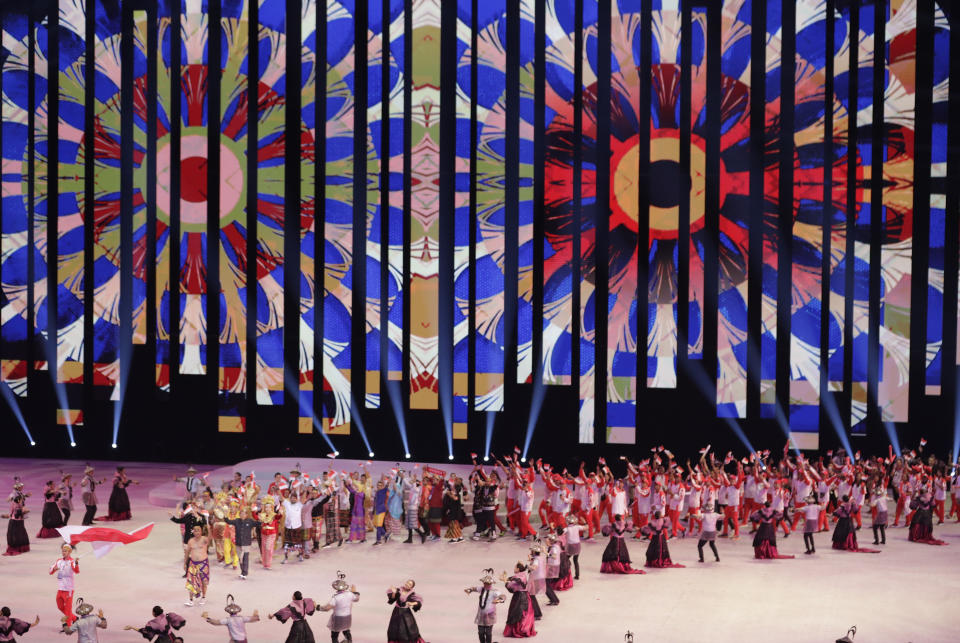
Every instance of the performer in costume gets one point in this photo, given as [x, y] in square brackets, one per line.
[572, 536]
[87, 624]
[341, 604]
[489, 597]
[921, 524]
[812, 523]
[708, 530]
[331, 515]
[658, 554]
[50, 519]
[292, 525]
[521, 620]
[65, 568]
[89, 496]
[198, 567]
[844, 533]
[358, 527]
[537, 573]
[236, 623]
[297, 610]
[65, 502]
[118, 507]
[10, 627]
[878, 501]
[192, 484]
[162, 626]
[565, 577]
[269, 525]
[616, 558]
[453, 497]
[18, 542]
[188, 517]
[380, 512]
[403, 626]
[552, 567]
[765, 540]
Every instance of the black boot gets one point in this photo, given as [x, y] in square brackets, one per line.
[409, 536]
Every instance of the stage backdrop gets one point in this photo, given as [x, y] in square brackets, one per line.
[430, 204]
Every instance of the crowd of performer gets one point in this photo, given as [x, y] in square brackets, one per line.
[653, 500]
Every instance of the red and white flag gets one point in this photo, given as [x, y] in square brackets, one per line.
[516, 450]
[103, 539]
[923, 442]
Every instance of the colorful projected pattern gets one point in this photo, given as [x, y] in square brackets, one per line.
[771, 208]
[558, 193]
[138, 305]
[308, 208]
[396, 281]
[733, 250]
[623, 238]
[934, 358]
[338, 230]
[461, 222]
[589, 210]
[233, 247]
[697, 198]
[896, 212]
[840, 262]
[490, 185]
[376, 27]
[166, 87]
[41, 186]
[424, 210]
[525, 207]
[664, 211]
[13, 243]
[71, 174]
[808, 179]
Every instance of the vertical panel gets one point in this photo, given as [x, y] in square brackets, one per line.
[271, 147]
[106, 235]
[772, 210]
[138, 304]
[587, 224]
[309, 291]
[840, 262]
[393, 319]
[900, 53]
[424, 211]
[807, 212]
[338, 231]
[525, 207]
[664, 209]
[934, 359]
[733, 250]
[376, 22]
[40, 183]
[13, 242]
[233, 236]
[490, 186]
[861, 261]
[698, 172]
[71, 175]
[166, 89]
[462, 270]
[623, 229]
[558, 226]
[194, 31]
[397, 146]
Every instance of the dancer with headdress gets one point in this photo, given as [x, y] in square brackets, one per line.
[616, 558]
[521, 618]
[50, 519]
[65, 491]
[487, 603]
[811, 524]
[552, 566]
[403, 626]
[844, 533]
[18, 542]
[162, 626]
[572, 537]
[708, 530]
[118, 507]
[658, 553]
[10, 627]
[537, 573]
[341, 604]
[921, 522]
[269, 522]
[89, 496]
[65, 568]
[765, 540]
[565, 573]
[297, 611]
[192, 484]
[236, 622]
[87, 623]
[878, 502]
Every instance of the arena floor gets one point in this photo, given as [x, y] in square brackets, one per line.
[906, 593]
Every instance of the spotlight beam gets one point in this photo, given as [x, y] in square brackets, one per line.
[703, 385]
[536, 403]
[491, 420]
[11, 399]
[355, 416]
[833, 414]
[292, 384]
[60, 390]
[396, 404]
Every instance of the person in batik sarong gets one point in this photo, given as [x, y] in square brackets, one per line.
[198, 567]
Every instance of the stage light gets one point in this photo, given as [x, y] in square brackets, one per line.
[73, 444]
[357, 418]
[523, 459]
[450, 457]
[406, 455]
[32, 443]
[114, 445]
[370, 454]
[337, 453]
[486, 458]
[536, 402]
[11, 398]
